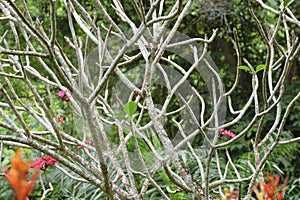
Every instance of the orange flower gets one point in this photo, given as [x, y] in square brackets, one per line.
[270, 190]
[272, 187]
[17, 176]
[260, 195]
[230, 194]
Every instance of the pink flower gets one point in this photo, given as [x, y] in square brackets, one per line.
[60, 119]
[43, 162]
[66, 98]
[63, 95]
[49, 160]
[38, 163]
[227, 133]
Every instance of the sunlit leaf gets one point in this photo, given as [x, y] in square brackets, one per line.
[245, 68]
[130, 108]
[260, 67]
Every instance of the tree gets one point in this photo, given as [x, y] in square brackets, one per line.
[115, 103]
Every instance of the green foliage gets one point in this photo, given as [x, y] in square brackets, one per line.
[286, 2]
[260, 67]
[245, 68]
[130, 108]
[282, 156]
[293, 191]
[284, 159]
[250, 71]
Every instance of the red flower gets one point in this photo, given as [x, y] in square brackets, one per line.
[272, 187]
[66, 98]
[38, 163]
[49, 160]
[17, 177]
[60, 119]
[227, 133]
[43, 162]
[63, 95]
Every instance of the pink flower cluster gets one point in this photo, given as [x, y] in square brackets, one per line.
[227, 133]
[88, 141]
[63, 95]
[43, 162]
[60, 119]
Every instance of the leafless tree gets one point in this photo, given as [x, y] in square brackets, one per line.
[84, 77]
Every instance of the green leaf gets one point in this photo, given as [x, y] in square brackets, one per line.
[130, 108]
[245, 68]
[260, 67]
[277, 168]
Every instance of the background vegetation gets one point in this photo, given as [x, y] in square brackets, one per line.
[204, 16]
